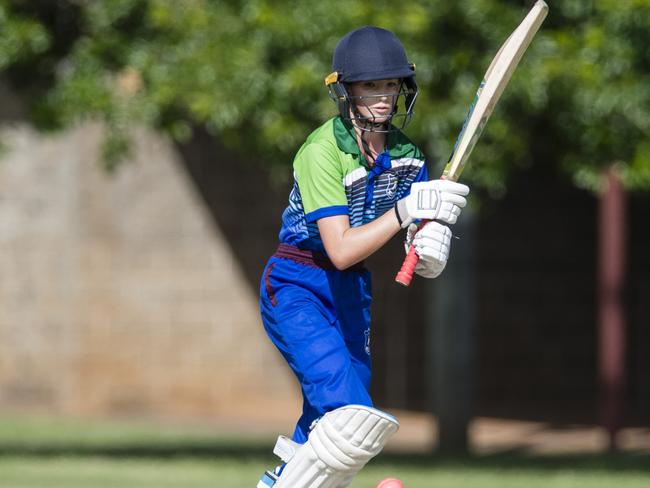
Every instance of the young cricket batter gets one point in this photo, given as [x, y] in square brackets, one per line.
[358, 181]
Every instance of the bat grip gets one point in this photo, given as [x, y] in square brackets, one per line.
[405, 274]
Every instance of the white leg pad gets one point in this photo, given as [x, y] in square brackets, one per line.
[346, 482]
[340, 444]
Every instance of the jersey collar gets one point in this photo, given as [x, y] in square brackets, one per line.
[346, 141]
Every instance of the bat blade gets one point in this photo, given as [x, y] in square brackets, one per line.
[494, 82]
[489, 91]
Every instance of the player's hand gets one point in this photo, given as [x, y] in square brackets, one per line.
[432, 243]
[432, 200]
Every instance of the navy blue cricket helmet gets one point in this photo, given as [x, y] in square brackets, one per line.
[366, 54]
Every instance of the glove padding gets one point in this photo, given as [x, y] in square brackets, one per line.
[432, 243]
[432, 200]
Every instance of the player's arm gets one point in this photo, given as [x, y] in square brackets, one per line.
[319, 178]
[431, 200]
[347, 245]
[325, 202]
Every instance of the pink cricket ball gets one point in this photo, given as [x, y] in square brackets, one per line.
[390, 483]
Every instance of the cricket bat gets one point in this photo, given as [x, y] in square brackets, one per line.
[489, 91]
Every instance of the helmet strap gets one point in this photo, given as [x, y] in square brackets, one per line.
[366, 147]
[363, 136]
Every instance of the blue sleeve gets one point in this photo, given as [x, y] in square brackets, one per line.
[423, 175]
[326, 212]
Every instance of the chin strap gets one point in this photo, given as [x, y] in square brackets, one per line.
[366, 147]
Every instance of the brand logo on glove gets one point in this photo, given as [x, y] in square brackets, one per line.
[428, 199]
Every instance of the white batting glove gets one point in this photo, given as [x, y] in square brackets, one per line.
[432, 243]
[432, 200]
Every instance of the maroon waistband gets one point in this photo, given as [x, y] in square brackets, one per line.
[312, 258]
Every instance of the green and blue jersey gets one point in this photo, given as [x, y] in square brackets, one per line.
[331, 177]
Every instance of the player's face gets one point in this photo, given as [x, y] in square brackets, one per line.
[375, 99]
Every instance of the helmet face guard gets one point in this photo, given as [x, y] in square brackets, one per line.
[398, 119]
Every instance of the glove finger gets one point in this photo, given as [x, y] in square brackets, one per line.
[438, 252]
[443, 246]
[431, 254]
[455, 211]
[435, 259]
[432, 240]
[453, 187]
[448, 214]
[429, 269]
[453, 198]
[434, 228]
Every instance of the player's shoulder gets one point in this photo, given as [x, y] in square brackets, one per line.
[322, 136]
[320, 147]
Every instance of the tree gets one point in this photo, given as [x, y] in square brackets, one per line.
[257, 67]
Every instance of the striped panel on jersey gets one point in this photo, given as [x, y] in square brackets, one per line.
[393, 185]
[355, 191]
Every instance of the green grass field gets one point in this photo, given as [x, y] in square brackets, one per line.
[42, 452]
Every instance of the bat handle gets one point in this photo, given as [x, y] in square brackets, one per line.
[405, 274]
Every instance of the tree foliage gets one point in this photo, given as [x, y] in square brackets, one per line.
[251, 72]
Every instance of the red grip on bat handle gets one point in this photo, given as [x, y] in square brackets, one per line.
[405, 274]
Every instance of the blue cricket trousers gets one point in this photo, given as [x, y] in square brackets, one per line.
[319, 319]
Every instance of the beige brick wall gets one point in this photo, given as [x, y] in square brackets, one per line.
[118, 294]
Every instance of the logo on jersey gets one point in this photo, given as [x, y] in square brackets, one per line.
[367, 334]
[391, 185]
